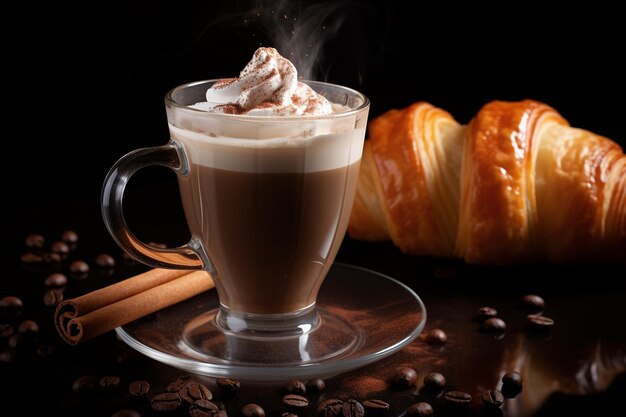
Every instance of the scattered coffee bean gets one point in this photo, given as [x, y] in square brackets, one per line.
[79, 268]
[52, 298]
[375, 407]
[421, 409]
[8, 356]
[434, 381]
[494, 325]
[104, 260]
[70, 237]
[538, 322]
[110, 382]
[532, 302]
[28, 327]
[329, 408]
[165, 401]
[203, 408]
[511, 384]
[485, 313]
[252, 410]
[11, 304]
[295, 387]
[61, 248]
[34, 241]
[436, 337]
[30, 258]
[139, 388]
[195, 391]
[316, 385]
[44, 350]
[51, 258]
[87, 383]
[294, 402]
[180, 383]
[56, 280]
[17, 341]
[404, 377]
[492, 398]
[228, 385]
[352, 408]
[6, 330]
[457, 397]
[126, 412]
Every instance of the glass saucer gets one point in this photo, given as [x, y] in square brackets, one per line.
[363, 316]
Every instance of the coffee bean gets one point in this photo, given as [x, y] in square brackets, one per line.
[51, 258]
[294, 402]
[79, 268]
[494, 325]
[110, 382]
[485, 313]
[295, 387]
[104, 260]
[30, 258]
[352, 408]
[87, 383]
[195, 391]
[10, 304]
[329, 408]
[538, 322]
[421, 409]
[492, 398]
[44, 350]
[17, 341]
[434, 381]
[28, 327]
[405, 378]
[139, 388]
[60, 247]
[165, 401]
[436, 337]
[532, 302]
[228, 385]
[126, 412]
[203, 408]
[9, 356]
[52, 298]
[375, 407]
[6, 330]
[34, 241]
[511, 384]
[457, 397]
[56, 280]
[70, 237]
[252, 410]
[316, 385]
[180, 383]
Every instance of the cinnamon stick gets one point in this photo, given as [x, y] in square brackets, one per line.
[97, 312]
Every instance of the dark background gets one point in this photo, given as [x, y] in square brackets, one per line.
[86, 83]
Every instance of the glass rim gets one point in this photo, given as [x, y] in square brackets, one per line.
[170, 101]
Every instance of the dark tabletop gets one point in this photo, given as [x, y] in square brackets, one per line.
[575, 368]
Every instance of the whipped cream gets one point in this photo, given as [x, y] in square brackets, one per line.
[267, 86]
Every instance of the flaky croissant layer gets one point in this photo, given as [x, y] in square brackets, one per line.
[518, 184]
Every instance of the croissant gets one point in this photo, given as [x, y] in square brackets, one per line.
[516, 185]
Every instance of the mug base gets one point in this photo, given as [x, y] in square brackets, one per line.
[361, 316]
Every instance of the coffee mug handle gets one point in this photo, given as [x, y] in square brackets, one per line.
[183, 257]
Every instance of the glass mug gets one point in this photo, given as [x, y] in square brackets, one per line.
[267, 201]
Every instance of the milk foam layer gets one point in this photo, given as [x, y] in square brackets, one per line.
[324, 151]
[267, 86]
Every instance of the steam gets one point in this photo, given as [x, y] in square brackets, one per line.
[300, 31]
